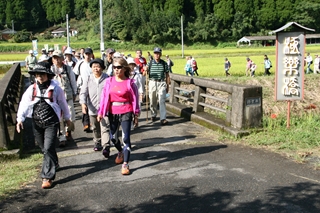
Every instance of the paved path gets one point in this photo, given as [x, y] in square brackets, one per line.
[181, 167]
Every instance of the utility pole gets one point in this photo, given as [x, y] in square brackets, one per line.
[182, 37]
[12, 26]
[101, 29]
[68, 36]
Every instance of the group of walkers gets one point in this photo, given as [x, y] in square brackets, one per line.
[191, 66]
[111, 91]
[251, 67]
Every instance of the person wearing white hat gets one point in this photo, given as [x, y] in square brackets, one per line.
[31, 60]
[110, 68]
[69, 58]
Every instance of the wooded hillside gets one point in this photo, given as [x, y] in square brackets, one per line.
[149, 21]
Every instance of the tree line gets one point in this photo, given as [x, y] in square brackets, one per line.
[149, 21]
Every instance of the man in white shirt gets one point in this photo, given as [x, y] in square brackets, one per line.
[309, 62]
[316, 65]
[83, 71]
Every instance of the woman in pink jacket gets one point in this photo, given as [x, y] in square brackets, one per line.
[120, 102]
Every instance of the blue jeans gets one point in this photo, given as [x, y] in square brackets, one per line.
[125, 121]
[46, 137]
[308, 68]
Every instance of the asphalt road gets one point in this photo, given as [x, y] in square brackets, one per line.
[181, 167]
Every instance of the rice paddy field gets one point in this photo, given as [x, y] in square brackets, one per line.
[210, 61]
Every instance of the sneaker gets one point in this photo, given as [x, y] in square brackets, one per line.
[62, 144]
[119, 158]
[164, 122]
[86, 128]
[46, 183]
[97, 147]
[106, 152]
[153, 119]
[125, 169]
[69, 136]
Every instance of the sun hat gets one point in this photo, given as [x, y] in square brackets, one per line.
[117, 55]
[50, 49]
[42, 67]
[110, 50]
[130, 60]
[30, 51]
[44, 58]
[98, 61]
[68, 51]
[57, 53]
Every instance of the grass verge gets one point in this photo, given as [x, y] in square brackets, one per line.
[16, 172]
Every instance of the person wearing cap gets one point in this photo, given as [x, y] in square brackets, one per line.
[316, 63]
[227, 66]
[158, 85]
[50, 51]
[109, 57]
[83, 71]
[67, 82]
[248, 66]
[43, 102]
[43, 51]
[31, 60]
[119, 101]
[89, 98]
[110, 68]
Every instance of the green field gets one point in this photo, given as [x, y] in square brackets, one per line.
[210, 61]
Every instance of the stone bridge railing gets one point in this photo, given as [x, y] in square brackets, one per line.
[10, 87]
[217, 105]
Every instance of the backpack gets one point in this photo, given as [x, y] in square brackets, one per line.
[270, 63]
[34, 93]
[171, 63]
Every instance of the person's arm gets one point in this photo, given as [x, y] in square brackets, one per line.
[23, 108]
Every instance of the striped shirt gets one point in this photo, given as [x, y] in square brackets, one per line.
[157, 70]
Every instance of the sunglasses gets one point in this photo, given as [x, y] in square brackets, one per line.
[117, 67]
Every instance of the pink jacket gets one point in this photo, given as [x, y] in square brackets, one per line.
[105, 102]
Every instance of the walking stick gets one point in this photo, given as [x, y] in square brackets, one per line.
[147, 92]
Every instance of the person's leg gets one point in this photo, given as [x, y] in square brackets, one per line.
[153, 98]
[96, 133]
[49, 151]
[126, 126]
[104, 126]
[114, 131]
[162, 99]
[126, 129]
[86, 121]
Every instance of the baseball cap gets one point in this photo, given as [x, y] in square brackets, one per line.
[157, 50]
[30, 51]
[110, 50]
[57, 53]
[88, 50]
